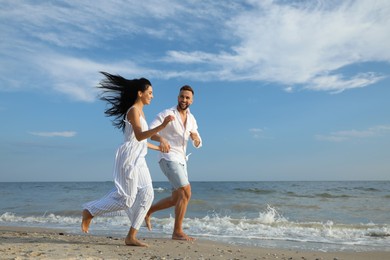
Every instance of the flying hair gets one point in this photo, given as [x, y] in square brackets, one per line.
[120, 94]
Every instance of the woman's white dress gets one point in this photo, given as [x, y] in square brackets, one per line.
[133, 190]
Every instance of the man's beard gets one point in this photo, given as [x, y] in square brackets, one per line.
[183, 108]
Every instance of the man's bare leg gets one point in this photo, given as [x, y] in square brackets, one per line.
[160, 205]
[148, 223]
[131, 238]
[87, 218]
[183, 196]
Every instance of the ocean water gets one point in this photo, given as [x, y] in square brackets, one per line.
[326, 216]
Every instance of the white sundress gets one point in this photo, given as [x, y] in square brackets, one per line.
[129, 164]
[133, 190]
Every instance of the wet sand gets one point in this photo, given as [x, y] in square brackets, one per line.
[38, 243]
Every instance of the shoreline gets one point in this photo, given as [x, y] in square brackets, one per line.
[46, 243]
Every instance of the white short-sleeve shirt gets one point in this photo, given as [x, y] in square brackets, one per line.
[176, 134]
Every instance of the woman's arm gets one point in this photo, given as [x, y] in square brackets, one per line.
[133, 117]
[153, 147]
[164, 145]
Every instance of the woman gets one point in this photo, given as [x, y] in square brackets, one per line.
[133, 191]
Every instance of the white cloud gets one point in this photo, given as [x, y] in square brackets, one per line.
[347, 135]
[293, 43]
[337, 84]
[77, 77]
[302, 44]
[54, 134]
[256, 132]
[83, 24]
[43, 40]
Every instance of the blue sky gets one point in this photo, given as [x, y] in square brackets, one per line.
[284, 90]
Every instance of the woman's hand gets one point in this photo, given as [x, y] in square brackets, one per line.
[168, 119]
[164, 146]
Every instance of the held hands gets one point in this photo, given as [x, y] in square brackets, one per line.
[164, 146]
[195, 138]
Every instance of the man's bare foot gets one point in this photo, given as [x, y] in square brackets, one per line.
[182, 236]
[135, 242]
[147, 222]
[87, 217]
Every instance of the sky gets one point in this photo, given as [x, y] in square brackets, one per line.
[284, 90]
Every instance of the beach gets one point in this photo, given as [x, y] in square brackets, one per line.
[41, 243]
[231, 220]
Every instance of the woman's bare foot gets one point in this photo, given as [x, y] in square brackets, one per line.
[135, 242]
[182, 236]
[147, 222]
[87, 217]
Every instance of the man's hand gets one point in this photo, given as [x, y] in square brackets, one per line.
[195, 138]
[164, 146]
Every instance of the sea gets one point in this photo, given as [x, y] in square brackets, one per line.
[297, 215]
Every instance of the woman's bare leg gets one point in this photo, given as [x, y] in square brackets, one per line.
[87, 217]
[131, 239]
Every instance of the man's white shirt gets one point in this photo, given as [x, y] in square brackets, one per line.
[176, 134]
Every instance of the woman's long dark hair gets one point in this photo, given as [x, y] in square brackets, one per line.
[120, 94]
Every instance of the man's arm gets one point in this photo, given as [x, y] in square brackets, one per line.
[194, 134]
[196, 141]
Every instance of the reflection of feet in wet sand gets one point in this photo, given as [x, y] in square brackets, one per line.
[135, 242]
[87, 217]
[182, 236]
[147, 222]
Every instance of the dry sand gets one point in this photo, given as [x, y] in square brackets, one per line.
[37, 243]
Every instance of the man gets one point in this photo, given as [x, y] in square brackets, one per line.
[172, 158]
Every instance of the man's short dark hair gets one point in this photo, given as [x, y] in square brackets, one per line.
[187, 87]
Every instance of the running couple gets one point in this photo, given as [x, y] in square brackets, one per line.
[133, 191]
